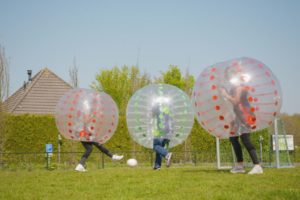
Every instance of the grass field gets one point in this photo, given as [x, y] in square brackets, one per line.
[144, 183]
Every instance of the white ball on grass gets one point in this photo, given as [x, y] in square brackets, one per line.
[132, 162]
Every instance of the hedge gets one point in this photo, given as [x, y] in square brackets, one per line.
[30, 133]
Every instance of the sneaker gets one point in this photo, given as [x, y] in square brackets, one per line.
[80, 168]
[116, 157]
[257, 169]
[156, 168]
[237, 169]
[168, 159]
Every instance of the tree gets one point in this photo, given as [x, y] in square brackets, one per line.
[189, 82]
[120, 84]
[4, 77]
[4, 92]
[73, 72]
[174, 77]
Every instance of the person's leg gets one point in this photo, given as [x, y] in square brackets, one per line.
[250, 148]
[237, 148]
[168, 157]
[160, 151]
[158, 147]
[107, 152]
[103, 149]
[157, 163]
[257, 169]
[88, 150]
[239, 166]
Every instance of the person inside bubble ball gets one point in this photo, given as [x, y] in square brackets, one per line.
[162, 130]
[244, 119]
[87, 143]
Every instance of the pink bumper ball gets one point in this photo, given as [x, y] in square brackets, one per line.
[235, 97]
[86, 115]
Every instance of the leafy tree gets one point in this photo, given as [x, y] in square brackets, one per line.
[73, 73]
[4, 76]
[4, 92]
[120, 84]
[174, 77]
[189, 82]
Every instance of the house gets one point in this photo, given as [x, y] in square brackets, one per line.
[39, 95]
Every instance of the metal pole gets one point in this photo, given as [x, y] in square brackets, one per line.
[58, 153]
[260, 145]
[102, 160]
[218, 153]
[58, 149]
[276, 142]
[151, 158]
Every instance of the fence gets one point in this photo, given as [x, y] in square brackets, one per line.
[68, 160]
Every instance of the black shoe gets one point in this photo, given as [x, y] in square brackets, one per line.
[156, 168]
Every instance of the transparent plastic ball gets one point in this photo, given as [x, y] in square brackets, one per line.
[235, 97]
[159, 111]
[86, 115]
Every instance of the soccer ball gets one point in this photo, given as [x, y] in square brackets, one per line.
[132, 162]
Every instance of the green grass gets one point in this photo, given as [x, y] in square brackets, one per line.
[143, 183]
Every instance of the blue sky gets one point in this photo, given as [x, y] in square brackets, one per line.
[193, 34]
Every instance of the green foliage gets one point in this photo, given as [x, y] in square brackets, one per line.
[29, 133]
[120, 84]
[121, 140]
[174, 77]
[292, 126]
[201, 140]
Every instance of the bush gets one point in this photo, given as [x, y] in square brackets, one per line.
[30, 133]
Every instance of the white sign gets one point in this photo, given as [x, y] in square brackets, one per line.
[285, 142]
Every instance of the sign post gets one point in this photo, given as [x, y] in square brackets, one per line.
[59, 143]
[49, 154]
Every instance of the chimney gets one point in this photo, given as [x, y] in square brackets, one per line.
[29, 72]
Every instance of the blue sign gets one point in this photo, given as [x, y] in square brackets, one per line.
[49, 148]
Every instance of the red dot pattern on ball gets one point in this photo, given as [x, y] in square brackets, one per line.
[78, 115]
[263, 96]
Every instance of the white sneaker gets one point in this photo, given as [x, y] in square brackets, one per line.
[257, 169]
[237, 169]
[116, 157]
[80, 168]
[168, 159]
